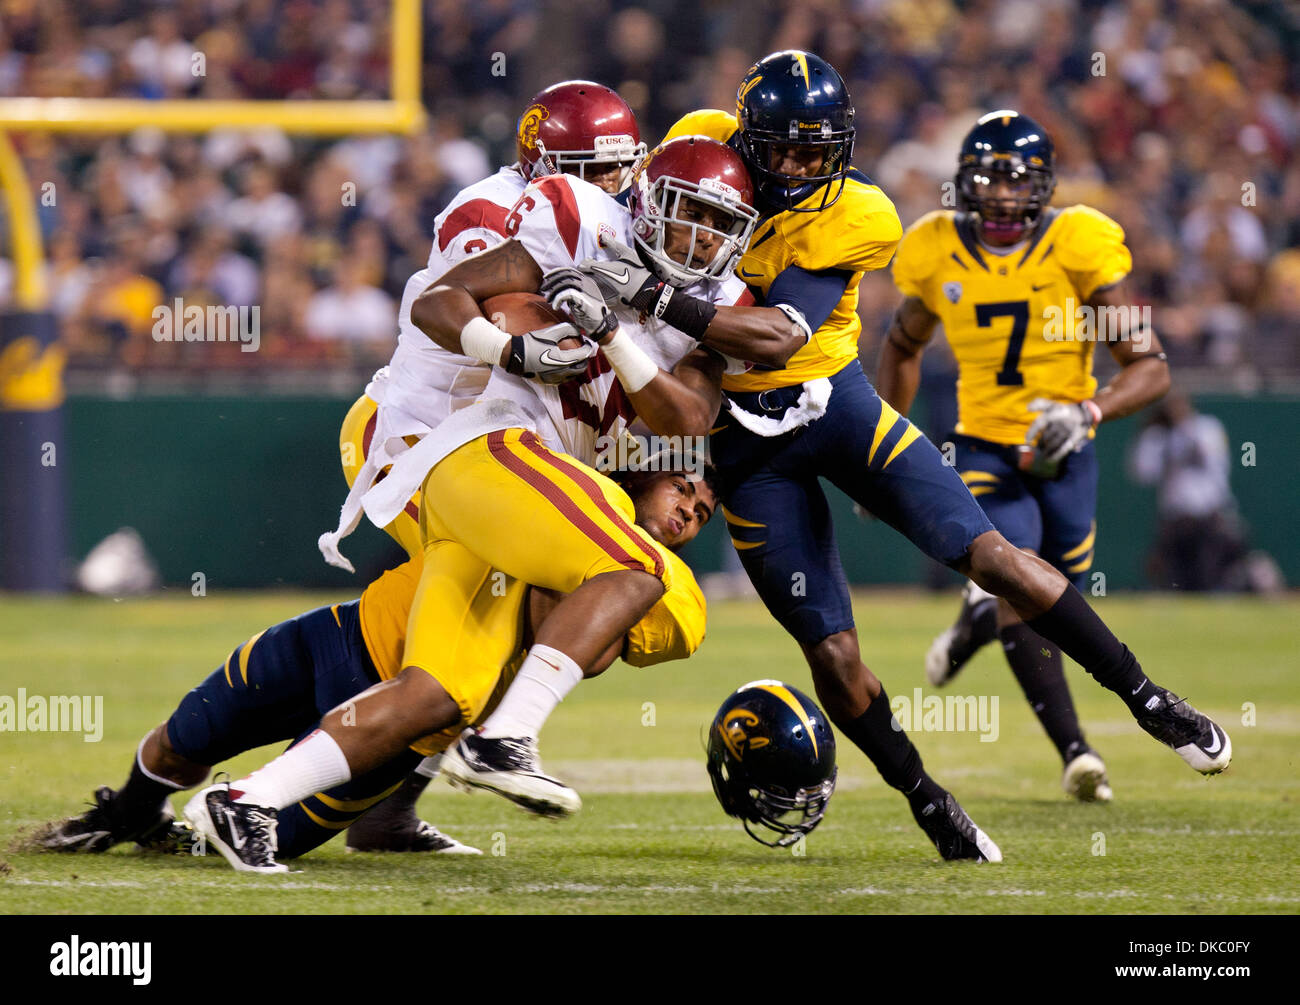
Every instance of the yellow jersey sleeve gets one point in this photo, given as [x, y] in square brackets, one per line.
[385, 609]
[711, 122]
[916, 260]
[859, 233]
[674, 627]
[1090, 247]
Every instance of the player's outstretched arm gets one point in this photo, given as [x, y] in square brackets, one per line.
[764, 336]
[1144, 370]
[898, 371]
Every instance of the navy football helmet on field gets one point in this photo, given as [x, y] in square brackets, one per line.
[772, 761]
[792, 105]
[1006, 174]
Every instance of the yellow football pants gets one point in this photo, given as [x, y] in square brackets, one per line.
[500, 512]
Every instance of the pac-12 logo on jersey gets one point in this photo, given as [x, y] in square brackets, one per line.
[604, 230]
[952, 291]
[530, 123]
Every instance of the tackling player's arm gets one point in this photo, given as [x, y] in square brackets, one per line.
[765, 336]
[1144, 369]
[898, 372]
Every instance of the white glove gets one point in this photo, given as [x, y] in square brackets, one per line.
[538, 356]
[1060, 428]
[581, 298]
[625, 280]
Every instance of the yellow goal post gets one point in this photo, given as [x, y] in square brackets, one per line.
[401, 112]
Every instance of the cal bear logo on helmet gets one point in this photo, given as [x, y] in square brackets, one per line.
[734, 731]
[771, 759]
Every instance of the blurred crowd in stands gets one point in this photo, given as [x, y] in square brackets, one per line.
[1181, 119]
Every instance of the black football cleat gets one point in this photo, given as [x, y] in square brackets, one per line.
[242, 832]
[103, 826]
[1194, 737]
[508, 766]
[952, 649]
[419, 835]
[954, 833]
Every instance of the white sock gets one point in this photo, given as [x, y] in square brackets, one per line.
[542, 682]
[430, 766]
[314, 765]
[976, 595]
[139, 760]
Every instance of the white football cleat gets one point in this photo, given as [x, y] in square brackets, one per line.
[1194, 737]
[242, 832]
[1085, 779]
[508, 766]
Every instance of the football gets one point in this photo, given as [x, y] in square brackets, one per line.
[517, 313]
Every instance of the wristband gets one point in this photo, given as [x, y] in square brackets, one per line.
[1093, 410]
[483, 340]
[689, 315]
[631, 365]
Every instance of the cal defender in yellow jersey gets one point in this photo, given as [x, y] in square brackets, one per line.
[1011, 316]
[778, 440]
[822, 226]
[1023, 293]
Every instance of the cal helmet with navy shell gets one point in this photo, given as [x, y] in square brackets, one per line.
[1006, 174]
[771, 757]
[572, 125]
[795, 99]
[700, 184]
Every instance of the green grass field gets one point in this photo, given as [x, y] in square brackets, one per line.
[651, 838]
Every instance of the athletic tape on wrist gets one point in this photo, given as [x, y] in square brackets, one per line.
[631, 365]
[483, 340]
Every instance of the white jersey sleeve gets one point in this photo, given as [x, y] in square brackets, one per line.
[475, 220]
[425, 382]
[559, 218]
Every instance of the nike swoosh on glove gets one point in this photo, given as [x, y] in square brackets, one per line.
[624, 279]
[538, 356]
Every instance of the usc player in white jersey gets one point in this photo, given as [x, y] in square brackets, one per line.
[576, 127]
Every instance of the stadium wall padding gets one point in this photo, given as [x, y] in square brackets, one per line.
[239, 488]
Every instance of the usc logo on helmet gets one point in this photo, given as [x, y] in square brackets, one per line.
[734, 733]
[530, 123]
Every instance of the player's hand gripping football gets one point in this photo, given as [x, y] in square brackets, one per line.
[539, 355]
[625, 279]
[1060, 428]
[580, 297]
